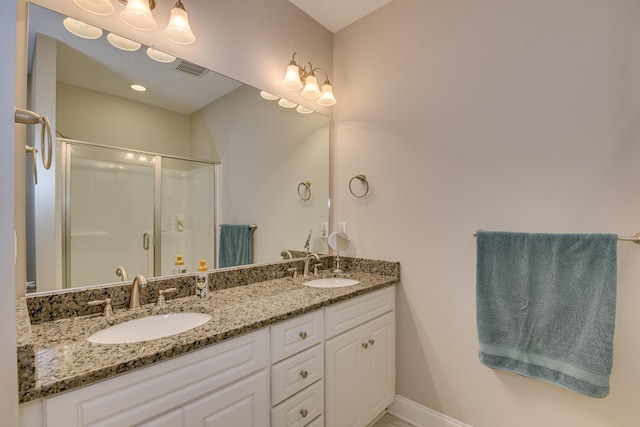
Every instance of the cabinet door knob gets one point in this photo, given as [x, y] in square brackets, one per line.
[304, 374]
[372, 342]
[303, 335]
[303, 412]
[365, 345]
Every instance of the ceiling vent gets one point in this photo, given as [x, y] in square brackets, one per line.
[191, 68]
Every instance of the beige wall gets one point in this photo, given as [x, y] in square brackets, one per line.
[502, 115]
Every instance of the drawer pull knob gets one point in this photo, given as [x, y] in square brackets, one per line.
[365, 345]
[303, 335]
[304, 413]
[304, 374]
[372, 342]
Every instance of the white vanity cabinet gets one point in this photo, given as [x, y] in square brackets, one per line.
[225, 384]
[359, 359]
[297, 371]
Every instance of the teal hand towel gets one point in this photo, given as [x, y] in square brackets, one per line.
[546, 307]
[236, 245]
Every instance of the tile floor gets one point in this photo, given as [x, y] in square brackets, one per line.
[389, 420]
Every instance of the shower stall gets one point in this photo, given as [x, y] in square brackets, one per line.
[133, 209]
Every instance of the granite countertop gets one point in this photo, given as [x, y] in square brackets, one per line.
[63, 359]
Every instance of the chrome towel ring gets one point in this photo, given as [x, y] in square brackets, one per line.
[365, 183]
[304, 190]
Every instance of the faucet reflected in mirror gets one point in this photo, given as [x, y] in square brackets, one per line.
[213, 127]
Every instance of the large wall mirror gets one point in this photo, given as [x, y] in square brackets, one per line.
[140, 177]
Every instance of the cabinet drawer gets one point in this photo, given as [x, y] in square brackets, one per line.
[295, 335]
[301, 408]
[295, 373]
[349, 314]
[318, 422]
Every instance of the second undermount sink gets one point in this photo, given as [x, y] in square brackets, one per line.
[331, 282]
[149, 328]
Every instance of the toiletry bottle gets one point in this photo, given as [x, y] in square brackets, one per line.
[178, 267]
[201, 280]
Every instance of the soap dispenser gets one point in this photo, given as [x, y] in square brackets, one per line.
[178, 267]
[202, 281]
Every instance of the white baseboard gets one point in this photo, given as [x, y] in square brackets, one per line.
[420, 415]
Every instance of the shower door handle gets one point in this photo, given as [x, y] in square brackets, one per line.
[145, 241]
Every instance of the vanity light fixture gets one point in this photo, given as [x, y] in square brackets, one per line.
[137, 14]
[178, 30]
[82, 29]
[123, 43]
[304, 78]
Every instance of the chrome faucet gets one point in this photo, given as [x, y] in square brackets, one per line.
[134, 298]
[306, 262]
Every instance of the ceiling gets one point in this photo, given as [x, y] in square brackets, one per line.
[337, 14]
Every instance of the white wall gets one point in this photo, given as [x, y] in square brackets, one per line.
[502, 115]
[8, 375]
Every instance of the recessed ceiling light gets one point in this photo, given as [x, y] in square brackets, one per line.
[268, 96]
[139, 88]
[123, 43]
[82, 29]
[160, 56]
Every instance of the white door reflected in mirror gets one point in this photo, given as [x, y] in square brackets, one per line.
[339, 242]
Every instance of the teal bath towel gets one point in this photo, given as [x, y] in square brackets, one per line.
[236, 245]
[546, 306]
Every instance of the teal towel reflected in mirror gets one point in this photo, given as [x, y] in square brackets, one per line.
[546, 306]
[236, 245]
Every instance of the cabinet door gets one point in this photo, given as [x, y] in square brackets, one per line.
[170, 419]
[244, 403]
[345, 371]
[381, 365]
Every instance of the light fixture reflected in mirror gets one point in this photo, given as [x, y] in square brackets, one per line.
[97, 7]
[303, 110]
[123, 43]
[178, 29]
[138, 88]
[82, 29]
[158, 55]
[268, 96]
[304, 78]
[286, 103]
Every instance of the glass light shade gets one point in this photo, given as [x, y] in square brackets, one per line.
[160, 56]
[138, 88]
[123, 43]
[291, 79]
[303, 110]
[286, 103]
[138, 15]
[311, 90]
[82, 29]
[178, 30]
[327, 99]
[97, 7]
[268, 96]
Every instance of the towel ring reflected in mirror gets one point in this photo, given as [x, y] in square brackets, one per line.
[365, 184]
[304, 190]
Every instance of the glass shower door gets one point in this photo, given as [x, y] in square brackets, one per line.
[110, 214]
[187, 216]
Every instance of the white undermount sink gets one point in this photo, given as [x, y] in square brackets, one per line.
[331, 282]
[149, 328]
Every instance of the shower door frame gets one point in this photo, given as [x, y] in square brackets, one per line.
[65, 155]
